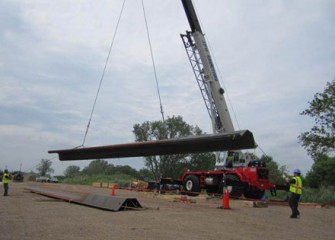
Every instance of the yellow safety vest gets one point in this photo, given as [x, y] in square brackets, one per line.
[297, 186]
[5, 179]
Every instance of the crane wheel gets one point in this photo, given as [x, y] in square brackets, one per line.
[254, 193]
[192, 185]
[233, 185]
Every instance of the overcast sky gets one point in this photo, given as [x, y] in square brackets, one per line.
[272, 55]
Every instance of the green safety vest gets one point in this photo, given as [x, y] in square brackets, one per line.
[5, 179]
[297, 186]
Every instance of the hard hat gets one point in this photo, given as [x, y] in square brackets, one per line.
[297, 171]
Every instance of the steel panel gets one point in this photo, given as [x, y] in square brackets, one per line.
[111, 203]
[195, 144]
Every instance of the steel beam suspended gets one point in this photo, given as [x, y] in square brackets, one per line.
[204, 143]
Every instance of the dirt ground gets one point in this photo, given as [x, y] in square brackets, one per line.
[25, 215]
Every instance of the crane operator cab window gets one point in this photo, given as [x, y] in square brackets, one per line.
[221, 160]
[235, 159]
[230, 159]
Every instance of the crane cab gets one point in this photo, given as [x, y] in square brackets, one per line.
[234, 159]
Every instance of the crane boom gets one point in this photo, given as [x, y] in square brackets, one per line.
[204, 70]
[191, 16]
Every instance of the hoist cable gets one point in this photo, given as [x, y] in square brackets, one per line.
[153, 63]
[262, 151]
[103, 74]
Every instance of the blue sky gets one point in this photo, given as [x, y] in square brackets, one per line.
[273, 56]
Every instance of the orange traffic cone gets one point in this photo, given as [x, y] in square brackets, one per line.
[225, 199]
[113, 190]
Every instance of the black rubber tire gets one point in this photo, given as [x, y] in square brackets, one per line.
[253, 193]
[212, 190]
[192, 185]
[234, 185]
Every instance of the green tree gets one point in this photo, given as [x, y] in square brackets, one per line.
[145, 174]
[200, 161]
[322, 172]
[171, 165]
[72, 171]
[44, 168]
[96, 167]
[125, 169]
[321, 138]
[275, 171]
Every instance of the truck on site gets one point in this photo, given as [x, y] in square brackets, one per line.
[237, 171]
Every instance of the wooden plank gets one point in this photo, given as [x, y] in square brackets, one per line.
[195, 144]
[96, 184]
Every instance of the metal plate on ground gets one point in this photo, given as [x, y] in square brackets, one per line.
[111, 203]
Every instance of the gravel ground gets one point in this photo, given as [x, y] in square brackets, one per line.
[26, 215]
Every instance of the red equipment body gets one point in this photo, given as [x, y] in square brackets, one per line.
[250, 181]
[236, 171]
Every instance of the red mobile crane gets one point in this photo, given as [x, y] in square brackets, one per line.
[238, 171]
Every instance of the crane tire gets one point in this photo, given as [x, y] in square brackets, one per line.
[192, 185]
[254, 193]
[233, 185]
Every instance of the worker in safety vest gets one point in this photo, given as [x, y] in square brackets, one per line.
[5, 181]
[295, 192]
[230, 159]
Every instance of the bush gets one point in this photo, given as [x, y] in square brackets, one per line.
[318, 195]
[309, 195]
[120, 179]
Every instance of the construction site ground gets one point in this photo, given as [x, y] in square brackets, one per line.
[25, 215]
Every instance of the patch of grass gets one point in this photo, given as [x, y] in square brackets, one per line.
[318, 195]
[281, 196]
[122, 180]
[309, 195]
